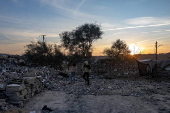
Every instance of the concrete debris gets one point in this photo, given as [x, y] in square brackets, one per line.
[100, 86]
[19, 84]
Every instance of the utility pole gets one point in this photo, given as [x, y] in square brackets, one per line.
[156, 46]
[43, 37]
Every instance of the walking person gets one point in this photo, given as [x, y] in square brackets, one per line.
[73, 70]
[86, 70]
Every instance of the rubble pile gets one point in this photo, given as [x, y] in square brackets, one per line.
[19, 84]
[112, 70]
[101, 86]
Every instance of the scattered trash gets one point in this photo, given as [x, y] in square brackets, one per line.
[46, 109]
[19, 84]
[32, 112]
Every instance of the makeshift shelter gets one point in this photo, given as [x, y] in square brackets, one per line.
[147, 67]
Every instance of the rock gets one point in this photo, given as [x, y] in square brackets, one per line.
[125, 94]
[162, 109]
[16, 110]
[109, 87]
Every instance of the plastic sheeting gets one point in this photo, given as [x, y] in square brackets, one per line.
[146, 66]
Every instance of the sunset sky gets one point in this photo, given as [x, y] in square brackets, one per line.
[139, 23]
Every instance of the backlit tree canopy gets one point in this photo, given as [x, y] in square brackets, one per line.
[44, 54]
[119, 47]
[81, 39]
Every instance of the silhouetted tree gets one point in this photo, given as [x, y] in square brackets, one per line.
[58, 57]
[81, 39]
[118, 49]
[43, 53]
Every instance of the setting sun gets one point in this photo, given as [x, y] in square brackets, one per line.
[135, 49]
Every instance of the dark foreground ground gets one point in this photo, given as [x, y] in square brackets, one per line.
[103, 96]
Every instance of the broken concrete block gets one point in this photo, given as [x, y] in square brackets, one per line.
[26, 97]
[2, 102]
[30, 74]
[28, 90]
[17, 110]
[19, 104]
[29, 80]
[16, 98]
[24, 92]
[34, 89]
[6, 73]
[16, 81]
[2, 78]
[11, 94]
[40, 78]
[15, 87]
[13, 75]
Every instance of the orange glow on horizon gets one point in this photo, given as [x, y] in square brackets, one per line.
[18, 49]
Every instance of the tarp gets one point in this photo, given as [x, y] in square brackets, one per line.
[164, 64]
[146, 66]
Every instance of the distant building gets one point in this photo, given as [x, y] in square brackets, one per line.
[162, 56]
[3, 56]
[100, 57]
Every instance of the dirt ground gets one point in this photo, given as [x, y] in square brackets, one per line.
[69, 103]
[120, 96]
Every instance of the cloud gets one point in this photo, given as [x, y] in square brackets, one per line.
[11, 38]
[147, 21]
[24, 36]
[17, 20]
[141, 21]
[35, 39]
[156, 31]
[107, 25]
[134, 27]
[148, 40]
[59, 4]
[79, 6]
[53, 35]
[167, 30]
[67, 9]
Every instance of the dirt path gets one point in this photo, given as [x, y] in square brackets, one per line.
[104, 96]
[61, 102]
